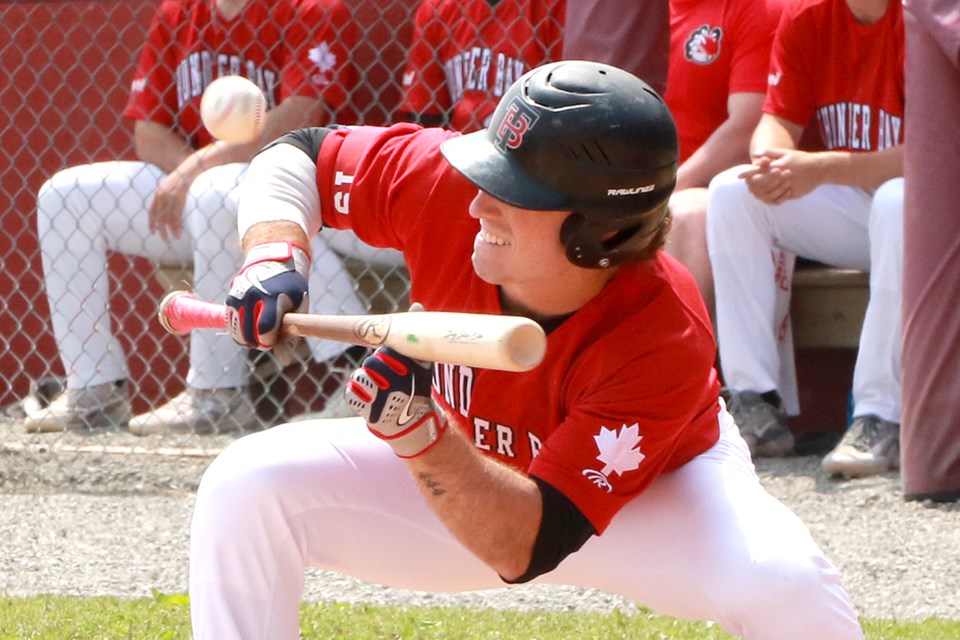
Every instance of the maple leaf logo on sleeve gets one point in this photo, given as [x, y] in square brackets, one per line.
[325, 61]
[619, 453]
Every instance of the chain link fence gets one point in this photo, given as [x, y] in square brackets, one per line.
[67, 67]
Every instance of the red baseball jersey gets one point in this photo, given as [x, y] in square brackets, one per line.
[716, 49]
[288, 47]
[839, 78]
[627, 390]
[465, 54]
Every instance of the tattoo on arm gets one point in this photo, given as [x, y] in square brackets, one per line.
[432, 485]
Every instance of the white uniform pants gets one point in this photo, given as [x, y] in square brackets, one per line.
[751, 247]
[704, 542]
[88, 210]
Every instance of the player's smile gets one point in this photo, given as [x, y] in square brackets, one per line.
[514, 243]
[486, 236]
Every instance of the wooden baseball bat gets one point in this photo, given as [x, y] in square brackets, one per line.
[507, 343]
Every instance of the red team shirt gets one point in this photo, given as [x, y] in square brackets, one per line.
[288, 47]
[716, 49]
[625, 393]
[466, 53]
[844, 83]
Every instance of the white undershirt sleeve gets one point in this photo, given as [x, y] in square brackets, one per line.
[280, 184]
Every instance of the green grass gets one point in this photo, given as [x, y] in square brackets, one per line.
[167, 617]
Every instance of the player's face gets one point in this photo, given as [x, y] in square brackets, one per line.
[517, 246]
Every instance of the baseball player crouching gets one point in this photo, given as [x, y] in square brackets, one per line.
[612, 465]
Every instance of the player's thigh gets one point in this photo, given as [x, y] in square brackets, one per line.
[210, 219]
[123, 201]
[830, 224]
[106, 204]
[214, 198]
[704, 537]
[352, 503]
[688, 211]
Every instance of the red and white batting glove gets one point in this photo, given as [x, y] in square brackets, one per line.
[271, 283]
[392, 393]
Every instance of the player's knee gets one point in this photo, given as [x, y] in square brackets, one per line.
[237, 486]
[887, 206]
[785, 588]
[727, 198]
[689, 227]
[727, 192]
[53, 194]
[212, 225]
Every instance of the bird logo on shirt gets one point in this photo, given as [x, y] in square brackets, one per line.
[703, 45]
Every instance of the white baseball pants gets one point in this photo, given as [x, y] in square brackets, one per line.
[704, 542]
[836, 225]
[85, 211]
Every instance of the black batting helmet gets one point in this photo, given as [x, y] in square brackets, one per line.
[585, 137]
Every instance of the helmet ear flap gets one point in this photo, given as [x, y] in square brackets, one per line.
[591, 244]
[587, 245]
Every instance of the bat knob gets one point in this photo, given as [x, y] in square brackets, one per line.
[167, 313]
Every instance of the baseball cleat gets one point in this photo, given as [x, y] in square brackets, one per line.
[201, 412]
[870, 446]
[100, 407]
[762, 425]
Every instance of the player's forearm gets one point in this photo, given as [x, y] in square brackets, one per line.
[493, 510]
[274, 231]
[727, 146]
[159, 145]
[294, 113]
[864, 170]
[773, 132]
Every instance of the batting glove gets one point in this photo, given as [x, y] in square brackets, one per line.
[392, 393]
[271, 283]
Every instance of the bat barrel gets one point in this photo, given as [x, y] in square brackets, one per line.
[505, 343]
[526, 346]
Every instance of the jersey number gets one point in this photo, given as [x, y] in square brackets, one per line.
[341, 199]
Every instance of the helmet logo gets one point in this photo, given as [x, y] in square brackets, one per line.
[631, 191]
[517, 120]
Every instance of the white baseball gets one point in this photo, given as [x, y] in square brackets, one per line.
[232, 109]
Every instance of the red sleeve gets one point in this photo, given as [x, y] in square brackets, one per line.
[751, 58]
[424, 83]
[320, 41]
[153, 90]
[635, 414]
[790, 86]
[378, 180]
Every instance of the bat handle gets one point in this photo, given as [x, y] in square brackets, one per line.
[181, 312]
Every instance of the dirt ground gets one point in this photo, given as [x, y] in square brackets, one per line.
[110, 516]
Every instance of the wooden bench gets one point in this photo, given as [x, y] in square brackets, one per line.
[827, 306]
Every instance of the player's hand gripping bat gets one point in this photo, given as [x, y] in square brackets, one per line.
[507, 343]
